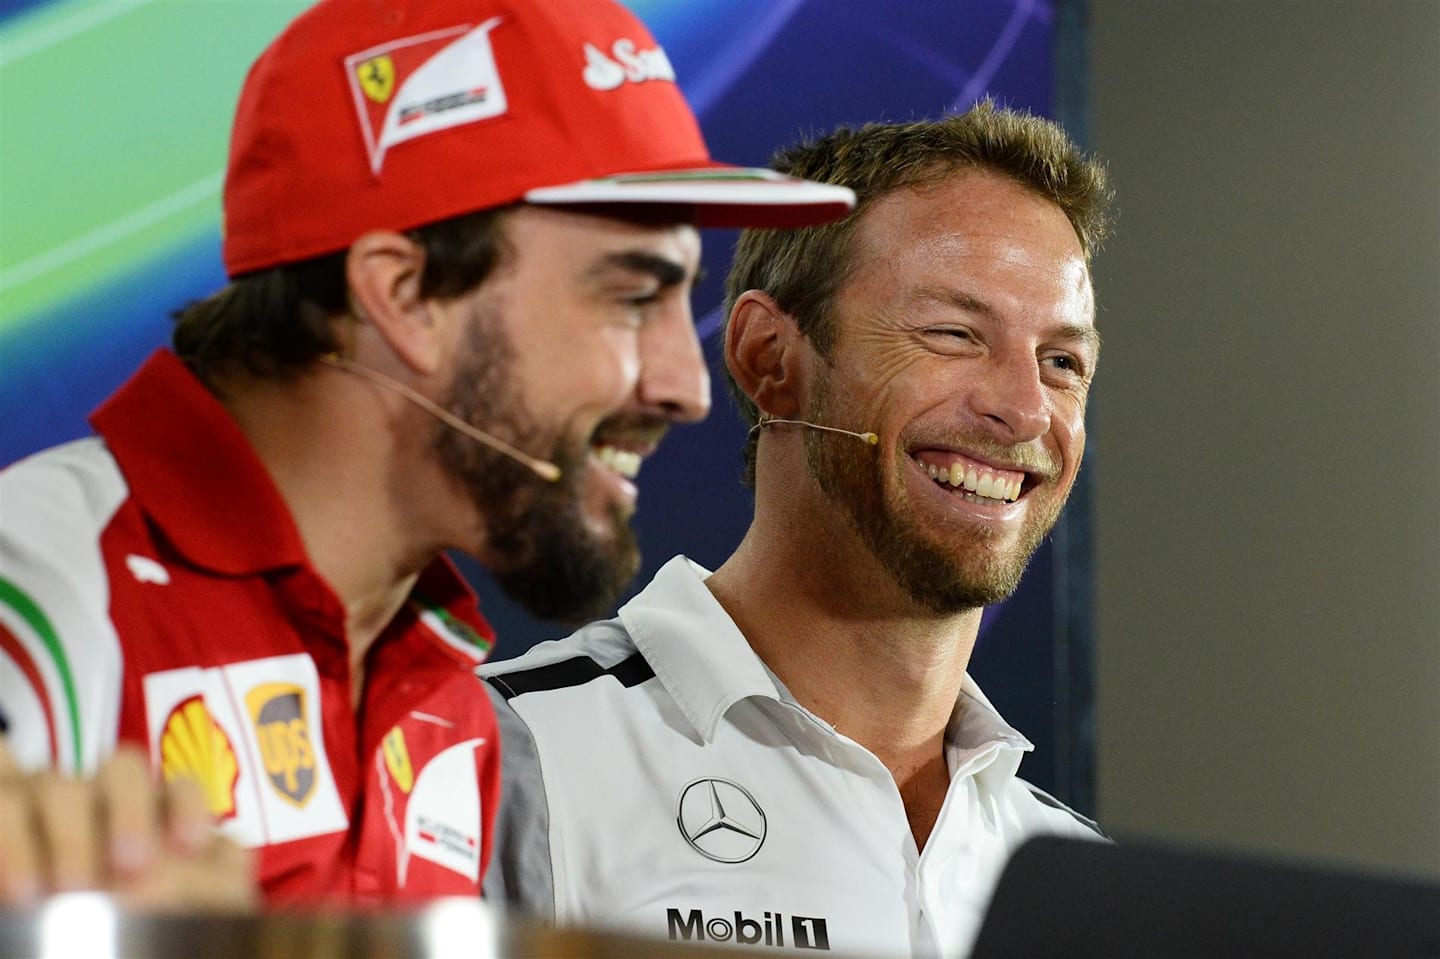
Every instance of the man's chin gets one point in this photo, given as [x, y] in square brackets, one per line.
[573, 579]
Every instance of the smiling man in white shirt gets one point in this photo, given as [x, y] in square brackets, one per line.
[788, 752]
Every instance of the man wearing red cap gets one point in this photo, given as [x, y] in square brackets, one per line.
[461, 236]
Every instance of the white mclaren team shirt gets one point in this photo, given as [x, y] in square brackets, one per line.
[658, 778]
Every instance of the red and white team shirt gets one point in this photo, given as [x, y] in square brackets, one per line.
[154, 589]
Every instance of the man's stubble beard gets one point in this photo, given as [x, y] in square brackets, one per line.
[539, 547]
[855, 479]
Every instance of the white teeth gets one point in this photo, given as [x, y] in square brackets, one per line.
[624, 462]
[989, 485]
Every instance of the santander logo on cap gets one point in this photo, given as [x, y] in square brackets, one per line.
[423, 84]
[628, 63]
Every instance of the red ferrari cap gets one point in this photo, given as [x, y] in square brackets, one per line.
[390, 114]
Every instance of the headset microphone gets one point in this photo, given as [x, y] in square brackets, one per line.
[542, 468]
[765, 421]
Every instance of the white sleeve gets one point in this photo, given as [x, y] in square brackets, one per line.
[60, 661]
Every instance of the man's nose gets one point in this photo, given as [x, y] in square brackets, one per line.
[673, 376]
[1011, 400]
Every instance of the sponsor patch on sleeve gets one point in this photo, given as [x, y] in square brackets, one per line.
[442, 817]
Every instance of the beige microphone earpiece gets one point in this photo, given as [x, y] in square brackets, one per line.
[767, 421]
[542, 468]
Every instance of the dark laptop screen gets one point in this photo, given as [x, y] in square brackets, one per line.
[1076, 899]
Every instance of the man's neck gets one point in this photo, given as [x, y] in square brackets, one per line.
[335, 473]
[882, 671]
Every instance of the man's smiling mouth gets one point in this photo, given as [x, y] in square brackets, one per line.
[622, 461]
[973, 480]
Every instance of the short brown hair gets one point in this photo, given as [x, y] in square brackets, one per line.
[804, 269]
[275, 322]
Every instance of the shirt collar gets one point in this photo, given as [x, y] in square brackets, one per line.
[979, 742]
[707, 666]
[448, 607]
[193, 472]
[694, 647]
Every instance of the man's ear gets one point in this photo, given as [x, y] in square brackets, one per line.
[764, 354]
[383, 271]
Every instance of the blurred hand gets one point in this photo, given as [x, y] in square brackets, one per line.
[153, 846]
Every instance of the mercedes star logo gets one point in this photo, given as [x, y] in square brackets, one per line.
[720, 820]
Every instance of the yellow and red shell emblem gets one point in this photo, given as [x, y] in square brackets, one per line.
[193, 746]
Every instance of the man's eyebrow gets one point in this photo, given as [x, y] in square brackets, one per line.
[1087, 335]
[956, 298]
[667, 271]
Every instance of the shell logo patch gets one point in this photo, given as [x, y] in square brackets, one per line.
[397, 759]
[376, 77]
[278, 712]
[424, 84]
[193, 746]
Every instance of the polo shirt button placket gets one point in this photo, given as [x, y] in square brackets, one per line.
[367, 885]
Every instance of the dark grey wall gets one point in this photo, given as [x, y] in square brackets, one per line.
[1265, 436]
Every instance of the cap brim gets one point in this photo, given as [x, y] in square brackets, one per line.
[721, 196]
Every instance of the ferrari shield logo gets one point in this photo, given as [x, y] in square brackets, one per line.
[377, 77]
[397, 759]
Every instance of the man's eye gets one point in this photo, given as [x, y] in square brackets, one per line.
[1065, 363]
[644, 298]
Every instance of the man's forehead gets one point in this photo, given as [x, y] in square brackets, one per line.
[592, 235]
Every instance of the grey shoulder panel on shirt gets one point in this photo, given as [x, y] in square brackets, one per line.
[520, 875]
[1048, 800]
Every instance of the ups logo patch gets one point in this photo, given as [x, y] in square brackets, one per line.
[281, 729]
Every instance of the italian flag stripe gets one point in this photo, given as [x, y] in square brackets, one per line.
[11, 646]
[455, 633]
[12, 596]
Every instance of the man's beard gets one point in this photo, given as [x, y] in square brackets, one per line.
[944, 578]
[539, 547]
